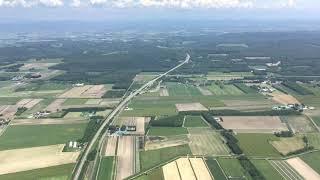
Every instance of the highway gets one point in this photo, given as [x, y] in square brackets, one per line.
[121, 105]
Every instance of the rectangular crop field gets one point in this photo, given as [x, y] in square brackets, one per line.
[286, 171]
[267, 169]
[299, 124]
[194, 121]
[61, 172]
[215, 169]
[106, 168]
[254, 144]
[268, 124]
[167, 131]
[233, 168]
[179, 89]
[40, 135]
[224, 89]
[206, 142]
[303, 168]
[151, 158]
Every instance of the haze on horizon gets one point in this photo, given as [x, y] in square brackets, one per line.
[99, 10]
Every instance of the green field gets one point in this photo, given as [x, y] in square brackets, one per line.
[254, 144]
[106, 168]
[149, 106]
[179, 89]
[167, 131]
[194, 121]
[151, 158]
[74, 101]
[24, 136]
[233, 168]
[61, 172]
[215, 169]
[267, 170]
[314, 140]
[312, 159]
[224, 89]
[155, 174]
[38, 107]
[316, 120]
[9, 100]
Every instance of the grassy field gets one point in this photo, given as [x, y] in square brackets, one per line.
[227, 76]
[232, 168]
[155, 174]
[314, 139]
[148, 106]
[106, 168]
[167, 131]
[254, 144]
[316, 120]
[23, 136]
[74, 101]
[312, 159]
[38, 107]
[151, 158]
[267, 170]
[179, 89]
[61, 172]
[9, 100]
[194, 121]
[224, 89]
[204, 141]
[301, 124]
[215, 169]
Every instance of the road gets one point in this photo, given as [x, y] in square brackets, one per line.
[121, 105]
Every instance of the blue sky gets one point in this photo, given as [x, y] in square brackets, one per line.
[112, 9]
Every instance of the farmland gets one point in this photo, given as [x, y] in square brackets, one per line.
[224, 89]
[106, 168]
[215, 169]
[40, 135]
[182, 90]
[254, 144]
[194, 121]
[166, 131]
[286, 171]
[312, 159]
[54, 172]
[151, 158]
[232, 168]
[267, 169]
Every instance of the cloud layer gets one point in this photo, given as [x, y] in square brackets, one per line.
[184, 4]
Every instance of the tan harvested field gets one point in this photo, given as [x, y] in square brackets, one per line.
[185, 169]
[28, 103]
[282, 98]
[87, 91]
[190, 107]
[170, 171]
[259, 102]
[303, 169]
[164, 92]
[287, 145]
[126, 157]
[266, 124]
[200, 169]
[95, 91]
[8, 111]
[111, 145]
[167, 142]
[204, 141]
[55, 105]
[93, 101]
[33, 158]
[204, 91]
[16, 122]
[139, 122]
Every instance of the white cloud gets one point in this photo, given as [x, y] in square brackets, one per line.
[185, 4]
[75, 3]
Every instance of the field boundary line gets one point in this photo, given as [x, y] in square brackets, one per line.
[194, 173]
[273, 166]
[225, 175]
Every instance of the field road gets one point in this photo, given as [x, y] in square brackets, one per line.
[117, 109]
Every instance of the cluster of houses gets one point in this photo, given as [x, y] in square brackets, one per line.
[117, 130]
[296, 107]
[40, 114]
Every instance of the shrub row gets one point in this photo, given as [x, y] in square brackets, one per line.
[250, 168]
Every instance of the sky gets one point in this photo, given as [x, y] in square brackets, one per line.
[97, 10]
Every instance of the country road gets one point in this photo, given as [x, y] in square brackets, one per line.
[122, 104]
